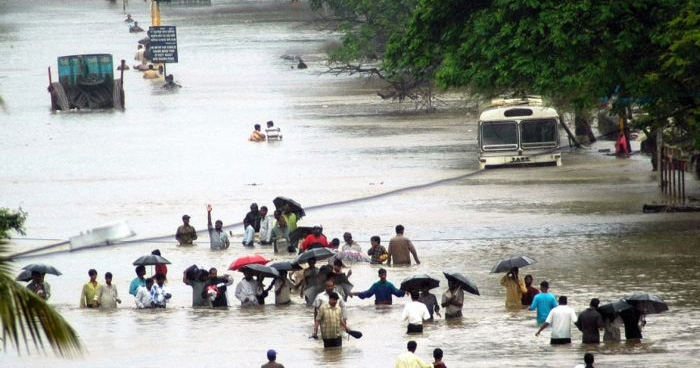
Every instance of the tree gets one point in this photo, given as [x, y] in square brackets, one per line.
[24, 317]
[367, 27]
[675, 85]
[574, 52]
[11, 220]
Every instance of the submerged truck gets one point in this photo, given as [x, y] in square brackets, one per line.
[86, 82]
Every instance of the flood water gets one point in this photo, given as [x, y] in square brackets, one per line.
[171, 153]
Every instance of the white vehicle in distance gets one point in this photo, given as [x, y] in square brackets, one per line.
[515, 132]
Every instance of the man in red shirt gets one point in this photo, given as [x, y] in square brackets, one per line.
[314, 240]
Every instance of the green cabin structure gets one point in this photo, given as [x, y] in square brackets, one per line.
[86, 82]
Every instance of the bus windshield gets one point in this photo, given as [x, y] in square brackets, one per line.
[499, 135]
[540, 133]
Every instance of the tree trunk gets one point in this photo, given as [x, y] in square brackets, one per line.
[582, 124]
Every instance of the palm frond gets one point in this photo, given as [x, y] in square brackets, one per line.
[27, 320]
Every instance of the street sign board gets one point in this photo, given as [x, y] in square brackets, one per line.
[163, 44]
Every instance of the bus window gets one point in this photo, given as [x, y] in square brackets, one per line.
[538, 133]
[499, 135]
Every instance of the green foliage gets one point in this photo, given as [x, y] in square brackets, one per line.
[676, 83]
[367, 26]
[574, 51]
[26, 319]
[11, 220]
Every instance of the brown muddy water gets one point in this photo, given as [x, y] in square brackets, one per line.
[171, 153]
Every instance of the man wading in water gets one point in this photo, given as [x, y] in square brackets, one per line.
[217, 237]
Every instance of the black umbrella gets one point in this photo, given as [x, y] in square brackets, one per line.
[506, 264]
[42, 268]
[315, 253]
[614, 307]
[145, 41]
[299, 233]
[261, 270]
[310, 293]
[345, 284]
[294, 206]
[467, 284]
[285, 266]
[150, 260]
[647, 303]
[355, 334]
[24, 276]
[418, 282]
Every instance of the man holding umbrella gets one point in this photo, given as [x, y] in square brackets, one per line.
[248, 290]
[515, 288]
[453, 300]
[40, 287]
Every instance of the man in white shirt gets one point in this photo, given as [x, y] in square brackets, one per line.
[247, 290]
[350, 245]
[267, 223]
[143, 295]
[273, 132]
[217, 236]
[415, 313]
[560, 318]
[160, 295]
[408, 359]
[324, 296]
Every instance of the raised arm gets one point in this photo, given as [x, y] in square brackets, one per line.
[209, 225]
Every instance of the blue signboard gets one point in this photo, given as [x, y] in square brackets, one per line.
[163, 44]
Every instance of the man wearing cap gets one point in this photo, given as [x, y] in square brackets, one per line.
[271, 357]
[186, 234]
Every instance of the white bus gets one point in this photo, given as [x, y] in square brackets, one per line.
[518, 132]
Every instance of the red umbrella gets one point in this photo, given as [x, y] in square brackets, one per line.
[246, 260]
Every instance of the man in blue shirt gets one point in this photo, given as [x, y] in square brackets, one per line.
[382, 290]
[139, 281]
[543, 302]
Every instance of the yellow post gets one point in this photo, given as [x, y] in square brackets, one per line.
[155, 13]
[155, 22]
